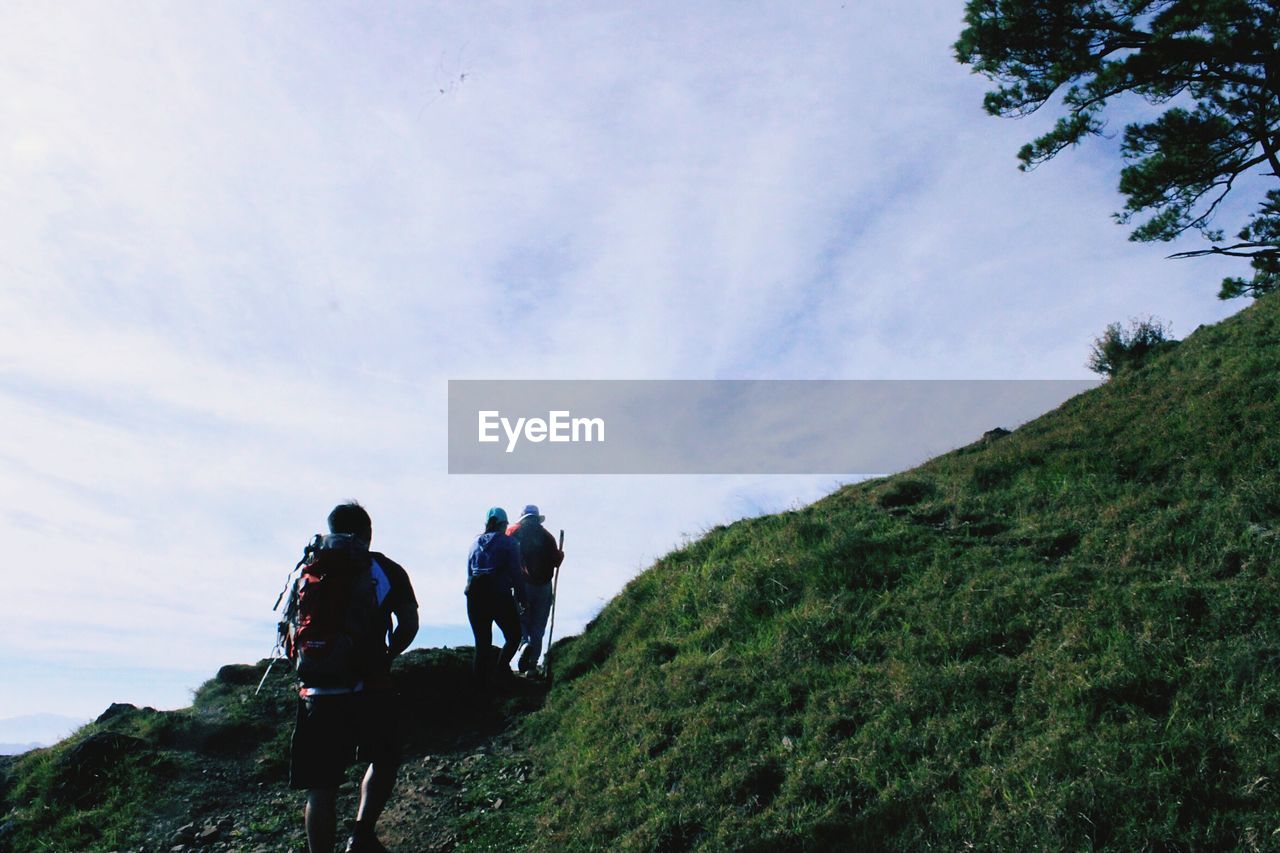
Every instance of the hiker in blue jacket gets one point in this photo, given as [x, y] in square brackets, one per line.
[494, 586]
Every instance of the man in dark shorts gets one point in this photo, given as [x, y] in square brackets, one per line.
[337, 725]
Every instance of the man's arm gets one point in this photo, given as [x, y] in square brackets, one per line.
[555, 548]
[406, 628]
[404, 607]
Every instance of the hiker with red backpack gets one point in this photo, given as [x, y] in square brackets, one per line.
[495, 586]
[540, 556]
[340, 634]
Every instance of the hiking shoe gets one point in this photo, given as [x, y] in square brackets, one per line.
[365, 843]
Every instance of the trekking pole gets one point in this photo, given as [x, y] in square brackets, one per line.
[282, 625]
[278, 649]
[275, 656]
[277, 652]
[555, 585]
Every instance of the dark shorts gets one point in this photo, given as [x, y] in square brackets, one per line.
[333, 732]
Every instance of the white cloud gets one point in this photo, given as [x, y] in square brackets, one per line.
[244, 247]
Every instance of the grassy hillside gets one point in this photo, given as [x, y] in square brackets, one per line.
[1067, 637]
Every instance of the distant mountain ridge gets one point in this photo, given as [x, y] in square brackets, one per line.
[28, 731]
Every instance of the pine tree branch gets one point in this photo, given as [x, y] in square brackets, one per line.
[1262, 249]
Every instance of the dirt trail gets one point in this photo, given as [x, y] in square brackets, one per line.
[463, 764]
[434, 793]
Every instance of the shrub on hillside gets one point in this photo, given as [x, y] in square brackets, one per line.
[906, 492]
[1118, 348]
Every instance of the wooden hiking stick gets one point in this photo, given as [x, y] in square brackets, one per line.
[555, 584]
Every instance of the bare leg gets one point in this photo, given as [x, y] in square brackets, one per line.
[321, 819]
[375, 790]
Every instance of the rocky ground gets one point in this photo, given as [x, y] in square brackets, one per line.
[435, 796]
[214, 777]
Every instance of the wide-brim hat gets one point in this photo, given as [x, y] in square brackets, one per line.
[531, 511]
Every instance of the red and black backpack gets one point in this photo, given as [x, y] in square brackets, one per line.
[335, 630]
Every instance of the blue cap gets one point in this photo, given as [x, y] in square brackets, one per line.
[496, 512]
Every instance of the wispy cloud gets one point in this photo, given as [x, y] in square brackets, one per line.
[244, 248]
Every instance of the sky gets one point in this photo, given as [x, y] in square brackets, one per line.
[244, 247]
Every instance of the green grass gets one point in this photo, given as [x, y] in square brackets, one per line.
[85, 794]
[498, 809]
[1065, 638]
[113, 781]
